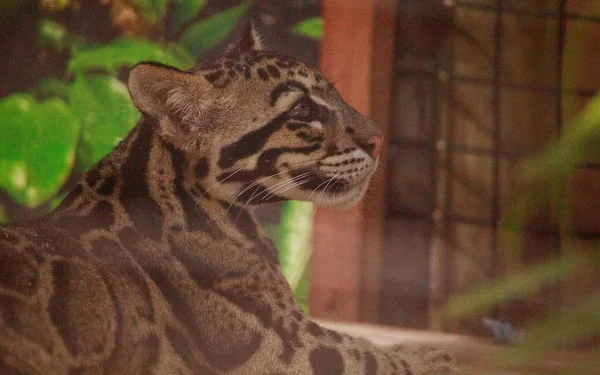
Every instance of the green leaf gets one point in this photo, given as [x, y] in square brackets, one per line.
[122, 52]
[53, 87]
[302, 291]
[577, 145]
[207, 33]
[38, 145]
[310, 27]
[516, 285]
[54, 5]
[106, 113]
[55, 201]
[186, 61]
[185, 10]
[563, 328]
[295, 240]
[153, 10]
[560, 328]
[53, 35]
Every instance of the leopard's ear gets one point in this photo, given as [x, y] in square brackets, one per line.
[250, 40]
[162, 91]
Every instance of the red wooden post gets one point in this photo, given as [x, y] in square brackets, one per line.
[356, 54]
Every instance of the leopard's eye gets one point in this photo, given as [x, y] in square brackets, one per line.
[302, 110]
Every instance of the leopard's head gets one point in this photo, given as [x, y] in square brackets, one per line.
[266, 126]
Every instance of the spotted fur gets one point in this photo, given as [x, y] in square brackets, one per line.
[154, 263]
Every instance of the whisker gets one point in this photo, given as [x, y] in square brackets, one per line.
[283, 185]
[270, 189]
[295, 185]
[367, 205]
[256, 183]
[322, 195]
[216, 184]
[335, 183]
[317, 188]
[302, 175]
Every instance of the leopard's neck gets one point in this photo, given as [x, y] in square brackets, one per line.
[148, 185]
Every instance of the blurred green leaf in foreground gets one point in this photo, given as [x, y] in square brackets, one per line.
[295, 244]
[207, 33]
[123, 53]
[310, 27]
[38, 147]
[185, 10]
[153, 10]
[549, 175]
[102, 105]
[74, 116]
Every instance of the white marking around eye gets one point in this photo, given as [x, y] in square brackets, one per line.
[316, 124]
[287, 99]
[321, 102]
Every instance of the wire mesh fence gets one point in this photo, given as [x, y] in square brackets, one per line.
[481, 85]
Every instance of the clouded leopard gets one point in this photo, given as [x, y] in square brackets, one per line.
[154, 263]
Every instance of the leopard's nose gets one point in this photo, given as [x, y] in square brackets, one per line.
[372, 146]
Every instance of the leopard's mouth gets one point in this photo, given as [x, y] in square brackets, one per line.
[332, 190]
[353, 193]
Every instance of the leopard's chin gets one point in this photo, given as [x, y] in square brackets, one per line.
[350, 197]
[347, 200]
[324, 191]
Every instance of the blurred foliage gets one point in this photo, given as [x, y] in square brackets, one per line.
[207, 33]
[125, 53]
[184, 11]
[294, 242]
[53, 35]
[90, 99]
[38, 147]
[105, 112]
[153, 10]
[311, 27]
[549, 176]
[55, 5]
[66, 123]
[88, 111]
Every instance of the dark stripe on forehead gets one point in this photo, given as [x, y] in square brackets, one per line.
[212, 77]
[282, 88]
[297, 85]
[262, 74]
[273, 71]
[250, 143]
[279, 90]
